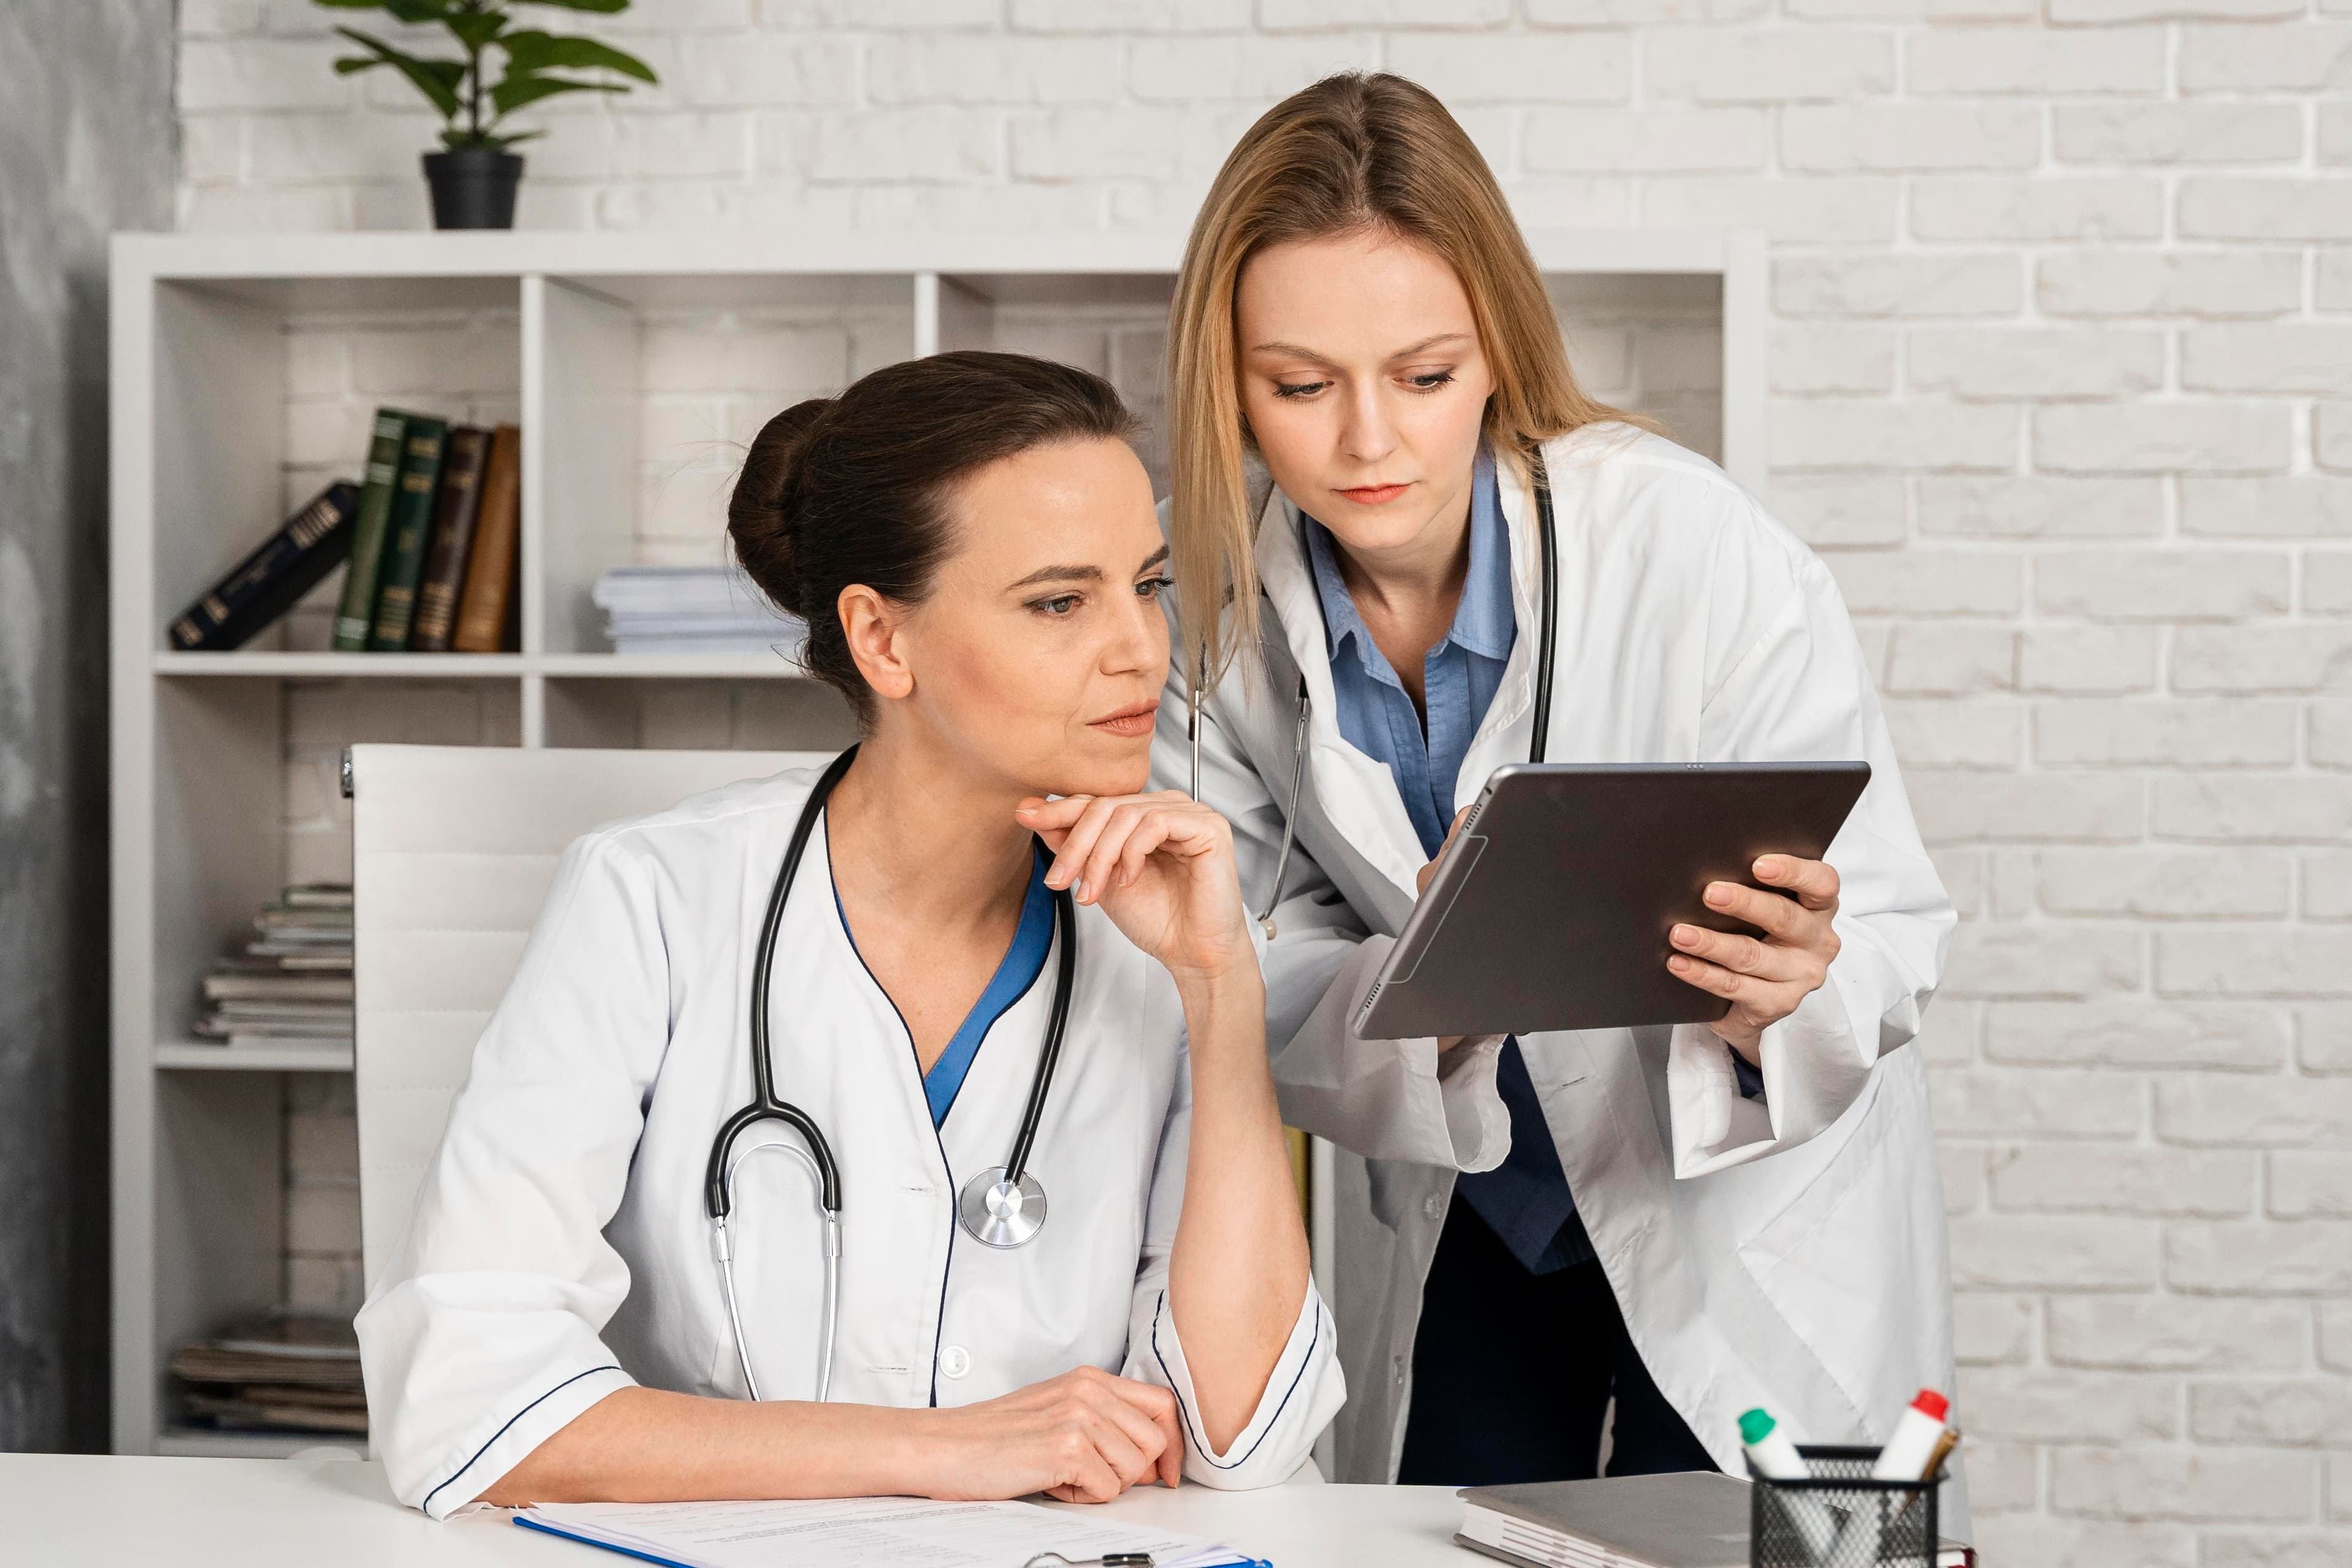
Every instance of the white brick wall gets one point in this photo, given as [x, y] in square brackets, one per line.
[2062, 298]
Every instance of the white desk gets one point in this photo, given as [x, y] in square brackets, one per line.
[70, 1511]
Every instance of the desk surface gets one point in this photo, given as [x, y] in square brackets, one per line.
[78, 1510]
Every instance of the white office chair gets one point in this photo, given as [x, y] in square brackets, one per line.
[452, 851]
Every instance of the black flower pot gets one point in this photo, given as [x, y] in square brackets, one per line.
[472, 187]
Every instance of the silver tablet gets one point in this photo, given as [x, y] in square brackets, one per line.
[1550, 907]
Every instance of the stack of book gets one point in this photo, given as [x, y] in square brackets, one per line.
[693, 609]
[431, 540]
[292, 983]
[283, 1373]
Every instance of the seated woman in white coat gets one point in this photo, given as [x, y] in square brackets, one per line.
[988, 940]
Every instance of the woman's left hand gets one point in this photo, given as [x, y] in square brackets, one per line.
[1764, 978]
[1161, 865]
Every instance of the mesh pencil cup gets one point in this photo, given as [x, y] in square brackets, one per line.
[1839, 1517]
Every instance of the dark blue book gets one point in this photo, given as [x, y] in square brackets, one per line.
[266, 584]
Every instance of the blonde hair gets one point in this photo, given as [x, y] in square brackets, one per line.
[1354, 152]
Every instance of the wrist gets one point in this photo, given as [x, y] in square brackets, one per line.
[1228, 977]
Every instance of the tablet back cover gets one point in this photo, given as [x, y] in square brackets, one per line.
[1551, 911]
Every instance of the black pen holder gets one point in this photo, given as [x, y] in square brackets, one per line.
[1839, 1517]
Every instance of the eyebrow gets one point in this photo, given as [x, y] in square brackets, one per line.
[1082, 573]
[1404, 353]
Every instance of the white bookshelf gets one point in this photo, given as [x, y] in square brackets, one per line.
[212, 348]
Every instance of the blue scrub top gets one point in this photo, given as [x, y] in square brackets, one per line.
[1024, 961]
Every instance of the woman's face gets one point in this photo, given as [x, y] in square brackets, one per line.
[1039, 656]
[1364, 384]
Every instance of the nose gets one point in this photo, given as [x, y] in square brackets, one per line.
[1366, 433]
[1137, 640]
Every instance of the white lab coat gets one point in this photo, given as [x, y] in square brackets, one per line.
[560, 1247]
[1691, 626]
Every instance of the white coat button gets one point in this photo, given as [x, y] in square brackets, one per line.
[1434, 1207]
[1396, 1370]
[955, 1361]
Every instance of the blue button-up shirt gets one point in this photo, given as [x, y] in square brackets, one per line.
[1524, 1200]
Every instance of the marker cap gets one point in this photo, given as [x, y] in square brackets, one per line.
[1755, 1426]
[1931, 1404]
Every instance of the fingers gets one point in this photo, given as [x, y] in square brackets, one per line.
[1729, 985]
[1745, 954]
[1090, 1475]
[1815, 882]
[1769, 911]
[1144, 1436]
[1159, 1406]
[1091, 853]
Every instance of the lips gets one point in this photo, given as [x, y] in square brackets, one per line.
[1129, 722]
[1375, 495]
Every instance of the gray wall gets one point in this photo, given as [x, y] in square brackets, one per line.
[88, 145]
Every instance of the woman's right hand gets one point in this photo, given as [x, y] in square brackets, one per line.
[1084, 1436]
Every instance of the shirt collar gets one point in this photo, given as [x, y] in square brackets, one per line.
[1484, 621]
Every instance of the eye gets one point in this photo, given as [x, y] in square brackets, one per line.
[1060, 606]
[1429, 380]
[1152, 587]
[1299, 388]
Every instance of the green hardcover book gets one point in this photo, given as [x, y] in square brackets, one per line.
[356, 614]
[411, 526]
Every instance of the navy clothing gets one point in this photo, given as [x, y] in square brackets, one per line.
[1512, 1375]
[1024, 961]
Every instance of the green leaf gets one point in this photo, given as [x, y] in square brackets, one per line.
[601, 7]
[476, 30]
[436, 80]
[518, 90]
[419, 11]
[531, 51]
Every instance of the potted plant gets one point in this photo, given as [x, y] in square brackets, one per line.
[474, 176]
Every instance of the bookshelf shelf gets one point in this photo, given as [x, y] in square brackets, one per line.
[244, 371]
[339, 665]
[203, 1055]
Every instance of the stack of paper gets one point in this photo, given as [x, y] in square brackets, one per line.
[292, 983]
[860, 1532]
[692, 609]
[278, 1374]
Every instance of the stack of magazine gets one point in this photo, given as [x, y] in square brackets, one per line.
[292, 982]
[281, 1374]
[693, 609]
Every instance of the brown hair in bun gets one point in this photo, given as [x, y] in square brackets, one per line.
[849, 490]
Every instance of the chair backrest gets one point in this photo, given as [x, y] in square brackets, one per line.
[452, 851]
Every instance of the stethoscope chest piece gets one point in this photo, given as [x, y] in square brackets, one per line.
[1000, 1212]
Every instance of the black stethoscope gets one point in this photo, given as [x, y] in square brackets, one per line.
[1548, 620]
[1002, 1206]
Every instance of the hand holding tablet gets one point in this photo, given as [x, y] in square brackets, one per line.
[1556, 904]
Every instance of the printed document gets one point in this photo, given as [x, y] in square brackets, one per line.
[861, 1533]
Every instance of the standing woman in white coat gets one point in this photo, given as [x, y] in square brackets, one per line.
[971, 543]
[1683, 1221]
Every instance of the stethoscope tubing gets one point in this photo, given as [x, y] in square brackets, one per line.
[1010, 1184]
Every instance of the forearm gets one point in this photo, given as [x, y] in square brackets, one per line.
[647, 1445]
[1238, 1273]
